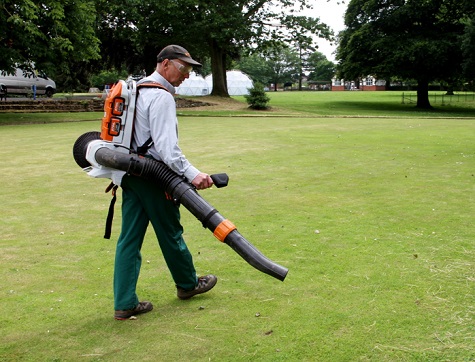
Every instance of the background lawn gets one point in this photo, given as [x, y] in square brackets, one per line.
[372, 216]
[375, 104]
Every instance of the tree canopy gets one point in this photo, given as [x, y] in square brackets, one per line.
[321, 69]
[134, 31]
[47, 33]
[74, 36]
[410, 39]
[468, 50]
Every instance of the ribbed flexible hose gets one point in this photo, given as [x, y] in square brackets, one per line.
[185, 193]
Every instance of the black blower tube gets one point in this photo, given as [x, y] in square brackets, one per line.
[185, 193]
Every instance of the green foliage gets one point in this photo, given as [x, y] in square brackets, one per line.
[468, 48]
[302, 31]
[282, 65]
[132, 32]
[108, 77]
[257, 97]
[276, 65]
[51, 34]
[63, 37]
[412, 40]
[257, 67]
[321, 69]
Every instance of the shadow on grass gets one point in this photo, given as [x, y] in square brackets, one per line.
[394, 110]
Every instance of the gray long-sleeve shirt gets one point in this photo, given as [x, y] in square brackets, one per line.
[155, 116]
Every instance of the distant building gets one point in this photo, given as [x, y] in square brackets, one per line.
[369, 83]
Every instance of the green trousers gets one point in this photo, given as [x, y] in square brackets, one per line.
[144, 202]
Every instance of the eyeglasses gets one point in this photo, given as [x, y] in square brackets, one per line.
[183, 69]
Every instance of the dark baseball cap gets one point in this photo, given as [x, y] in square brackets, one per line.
[176, 52]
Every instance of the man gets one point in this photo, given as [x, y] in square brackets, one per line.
[144, 202]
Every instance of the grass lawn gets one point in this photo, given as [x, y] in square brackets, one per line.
[42, 118]
[375, 104]
[372, 216]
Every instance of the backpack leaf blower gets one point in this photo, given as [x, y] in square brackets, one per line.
[107, 154]
[101, 158]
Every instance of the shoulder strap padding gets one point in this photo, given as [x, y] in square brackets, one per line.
[142, 150]
[151, 84]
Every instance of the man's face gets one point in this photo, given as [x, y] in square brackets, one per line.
[175, 71]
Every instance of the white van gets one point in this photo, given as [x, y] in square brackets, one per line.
[22, 83]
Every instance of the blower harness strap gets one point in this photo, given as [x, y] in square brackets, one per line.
[141, 150]
[110, 215]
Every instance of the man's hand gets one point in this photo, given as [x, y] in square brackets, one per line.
[202, 181]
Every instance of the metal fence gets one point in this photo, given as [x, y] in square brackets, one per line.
[459, 97]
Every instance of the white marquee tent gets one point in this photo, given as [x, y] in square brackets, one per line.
[239, 83]
[195, 85]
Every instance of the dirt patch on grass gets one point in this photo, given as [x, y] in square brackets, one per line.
[190, 103]
[219, 103]
[52, 105]
[97, 105]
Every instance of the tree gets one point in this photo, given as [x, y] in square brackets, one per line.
[277, 65]
[257, 97]
[468, 49]
[285, 65]
[220, 30]
[321, 69]
[409, 39]
[301, 30]
[132, 32]
[49, 34]
[257, 67]
[228, 27]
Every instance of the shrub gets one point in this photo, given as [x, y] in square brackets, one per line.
[257, 97]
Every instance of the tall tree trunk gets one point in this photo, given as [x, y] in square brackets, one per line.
[218, 69]
[450, 88]
[387, 85]
[423, 94]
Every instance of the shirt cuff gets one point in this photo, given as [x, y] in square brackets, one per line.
[190, 173]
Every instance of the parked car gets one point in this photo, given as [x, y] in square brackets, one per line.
[22, 82]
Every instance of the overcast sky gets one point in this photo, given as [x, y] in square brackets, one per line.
[330, 13]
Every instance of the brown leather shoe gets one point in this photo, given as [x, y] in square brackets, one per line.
[142, 307]
[205, 284]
